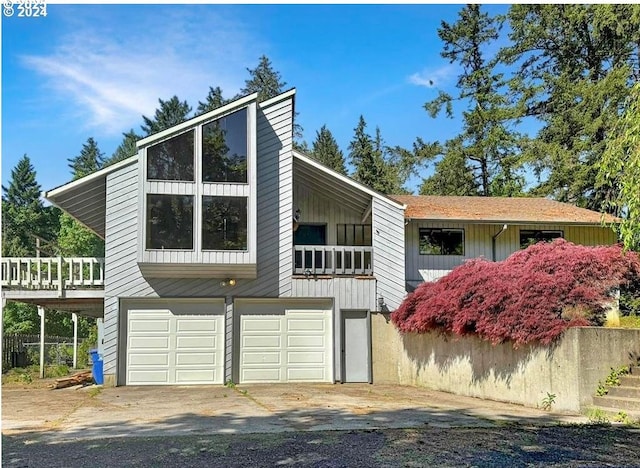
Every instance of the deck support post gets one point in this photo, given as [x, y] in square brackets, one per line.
[41, 314]
[74, 318]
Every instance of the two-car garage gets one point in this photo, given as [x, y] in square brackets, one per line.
[187, 342]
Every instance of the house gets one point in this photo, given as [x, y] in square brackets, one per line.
[444, 231]
[232, 257]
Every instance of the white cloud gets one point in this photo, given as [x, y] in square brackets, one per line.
[434, 77]
[115, 72]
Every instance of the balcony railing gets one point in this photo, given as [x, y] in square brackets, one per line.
[51, 273]
[333, 260]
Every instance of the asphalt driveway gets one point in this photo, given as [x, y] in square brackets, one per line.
[98, 413]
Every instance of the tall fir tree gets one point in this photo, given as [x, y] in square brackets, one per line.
[264, 80]
[452, 174]
[213, 101]
[170, 113]
[325, 149]
[574, 68]
[88, 161]
[368, 157]
[488, 140]
[125, 149]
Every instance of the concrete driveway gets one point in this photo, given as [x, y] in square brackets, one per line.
[96, 412]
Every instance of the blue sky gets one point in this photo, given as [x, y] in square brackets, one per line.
[94, 70]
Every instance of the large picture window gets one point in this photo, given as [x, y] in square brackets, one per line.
[533, 236]
[171, 159]
[224, 149]
[441, 241]
[224, 223]
[169, 221]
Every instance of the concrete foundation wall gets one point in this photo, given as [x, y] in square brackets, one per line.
[570, 368]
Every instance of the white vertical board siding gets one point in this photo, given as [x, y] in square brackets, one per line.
[123, 278]
[316, 208]
[388, 251]
[477, 243]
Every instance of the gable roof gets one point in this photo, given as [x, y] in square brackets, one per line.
[336, 186]
[498, 210]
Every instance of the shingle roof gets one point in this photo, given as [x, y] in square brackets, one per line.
[497, 210]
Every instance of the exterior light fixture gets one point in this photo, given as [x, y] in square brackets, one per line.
[380, 302]
[228, 282]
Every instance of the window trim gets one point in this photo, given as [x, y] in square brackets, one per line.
[197, 189]
[542, 231]
[460, 230]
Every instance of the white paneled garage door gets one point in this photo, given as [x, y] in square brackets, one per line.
[292, 346]
[180, 343]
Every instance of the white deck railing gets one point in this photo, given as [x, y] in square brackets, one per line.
[52, 273]
[333, 260]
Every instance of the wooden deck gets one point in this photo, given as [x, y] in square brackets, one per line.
[62, 283]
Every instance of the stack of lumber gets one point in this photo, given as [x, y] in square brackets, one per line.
[80, 378]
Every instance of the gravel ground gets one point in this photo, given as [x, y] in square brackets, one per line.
[507, 446]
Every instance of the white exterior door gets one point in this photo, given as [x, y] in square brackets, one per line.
[175, 343]
[292, 346]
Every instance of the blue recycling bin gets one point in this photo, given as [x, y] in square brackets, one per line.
[97, 369]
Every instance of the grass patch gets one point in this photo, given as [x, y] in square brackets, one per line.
[30, 375]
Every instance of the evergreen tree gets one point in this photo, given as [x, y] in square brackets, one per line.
[325, 149]
[125, 150]
[370, 158]
[170, 113]
[486, 141]
[213, 100]
[452, 175]
[575, 65]
[23, 213]
[263, 80]
[88, 161]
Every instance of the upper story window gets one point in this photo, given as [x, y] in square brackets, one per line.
[172, 159]
[224, 223]
[224, 149]
[530, 236]
[169, 222]
[441, 241]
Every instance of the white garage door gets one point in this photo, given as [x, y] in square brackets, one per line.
[175, 344]
[295, 346]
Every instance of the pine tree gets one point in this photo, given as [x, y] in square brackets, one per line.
[452, 175]
[325, 149]
[213, 100]
[486, 139]
[88, 161]
[170, 113]
[23, 213]
[263, 80]
[575, 66]
[125, 150]
[369, 158]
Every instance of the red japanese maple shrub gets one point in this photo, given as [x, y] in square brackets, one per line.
[521, 299]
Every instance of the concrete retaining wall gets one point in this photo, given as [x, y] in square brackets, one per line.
[570, 369]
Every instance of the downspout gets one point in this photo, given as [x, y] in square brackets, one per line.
[493, 242]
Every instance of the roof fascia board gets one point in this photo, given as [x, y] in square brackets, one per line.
[347, 180]
[278, 98]
[497, 221]
[197, 120]
[89, 178]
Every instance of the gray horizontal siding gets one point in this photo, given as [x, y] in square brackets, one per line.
[478, 244]
[274, 236]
